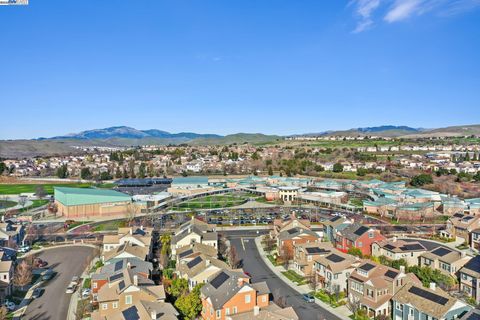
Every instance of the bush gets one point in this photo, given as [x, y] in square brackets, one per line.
[421, 180]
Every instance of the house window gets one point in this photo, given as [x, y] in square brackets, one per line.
[411, 312]
[128, 299]
[104, 306]
[4, 277]
[94, 285]
[234, 310]
[219, 313]
[399, 307]
[115, 305]
[247, 298]
[227, 311]
[264, 299]
[370, 235]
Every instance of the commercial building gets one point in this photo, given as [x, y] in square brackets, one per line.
[88, 202]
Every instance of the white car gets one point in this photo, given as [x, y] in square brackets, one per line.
[71, 288]
[86, 293]
[75, 280]
[10, 305]
[24, 249]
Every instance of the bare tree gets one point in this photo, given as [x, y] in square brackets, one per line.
[223, 245]
[23, 275]
[269, 243]
[3, 313]
[353, 303]
[40, 192]
[313, 280]
[286, 256]
[22, 200]
[233, 259]
[81, 309]
[130, 213]
[280, 300]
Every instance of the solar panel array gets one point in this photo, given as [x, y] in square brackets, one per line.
[361, 230]
[414, 246]
[334, 258]
[121, 285]
[391, 274]
[335, 218]
[367, 267]
[292, 231]
[473, 316]
[194, 262]
[219, 280]
[185, 253]
[389, 247]
[441, 251]
[131, 313]
[316, 250]
[116, 277]
[118, 266]
[428, 295]
[458, 215]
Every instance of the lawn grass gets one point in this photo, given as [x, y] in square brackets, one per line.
[109, 225]
[31, 188]
[87, 283]
[294, 277]
[4, 204]
[272, 260]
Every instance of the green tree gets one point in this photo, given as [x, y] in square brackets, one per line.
[361, 172]
[179, 287]
[190, 305]
[141, 170]
[85, 174]
[2, 167]
[338, 167]
[421, 180]
[476, 177]
[105, 176]
[354, 251]
[255, 156]
[62, 171]
[270, 171]
[165, 240]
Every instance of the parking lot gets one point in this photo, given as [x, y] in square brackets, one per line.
[54, 302]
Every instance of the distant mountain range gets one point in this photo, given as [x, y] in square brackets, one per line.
[127, 136]
[131, 133]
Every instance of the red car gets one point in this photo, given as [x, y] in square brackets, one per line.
[39, 263]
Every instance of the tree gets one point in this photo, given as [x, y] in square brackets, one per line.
[178, 287]
[22, 200]
[476, 177]
[190, 305]
[270, 171]
[141, 170]
[361, 172]
[62, 171]
[3, 313]
[105, 176]
[3, 167]
[233, 259]
[40, 192]
[165, 240]
[338, 167]
[286, 255]
[85, 174]
[421, 180]
[23, 274]
[354, 251]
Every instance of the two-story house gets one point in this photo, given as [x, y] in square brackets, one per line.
[6, 277]
[228, 293]
[447, 260]
[11, 234]
[395, 249]
[128, 296]
[334, 225]
[415, 302]
[198, 268]
[357, 236]
[475, 239]
[193, 231]
[469, 276]
[372, 286]
[287, 239]
[461, 225]
[333, 269]
[305, 255]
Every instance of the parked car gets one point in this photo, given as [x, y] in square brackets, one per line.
[86, 293]
[308, 297]
[75, 280]
[37, 293]
[39, 263]
[9, 305]
[24, 249]
[71, 288]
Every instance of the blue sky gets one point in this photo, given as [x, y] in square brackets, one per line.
[271, 66]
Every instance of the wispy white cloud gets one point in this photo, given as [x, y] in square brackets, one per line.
[364, 9]
[367, 11]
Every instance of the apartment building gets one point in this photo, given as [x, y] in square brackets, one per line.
[333, 270]
[469, 276]
[305, 254]
[357, 236]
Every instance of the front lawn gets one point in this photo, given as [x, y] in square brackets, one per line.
[331, 299]
[295, 277]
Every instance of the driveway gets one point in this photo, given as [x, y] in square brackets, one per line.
[253, 264]
[66, 262]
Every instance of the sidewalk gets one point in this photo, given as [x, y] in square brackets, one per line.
[342, 312]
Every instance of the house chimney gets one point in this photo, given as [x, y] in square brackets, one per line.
[207, 262]
[433, 286]
[394, 239]
[131, 231]
[256, 310]
[153, 314]
[463, 254]
[135, 280]
[402, 269]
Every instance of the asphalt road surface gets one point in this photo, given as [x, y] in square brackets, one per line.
[66, 262]
[253, 264]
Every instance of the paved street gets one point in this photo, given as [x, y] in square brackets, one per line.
[54, 302]
[253, 264]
